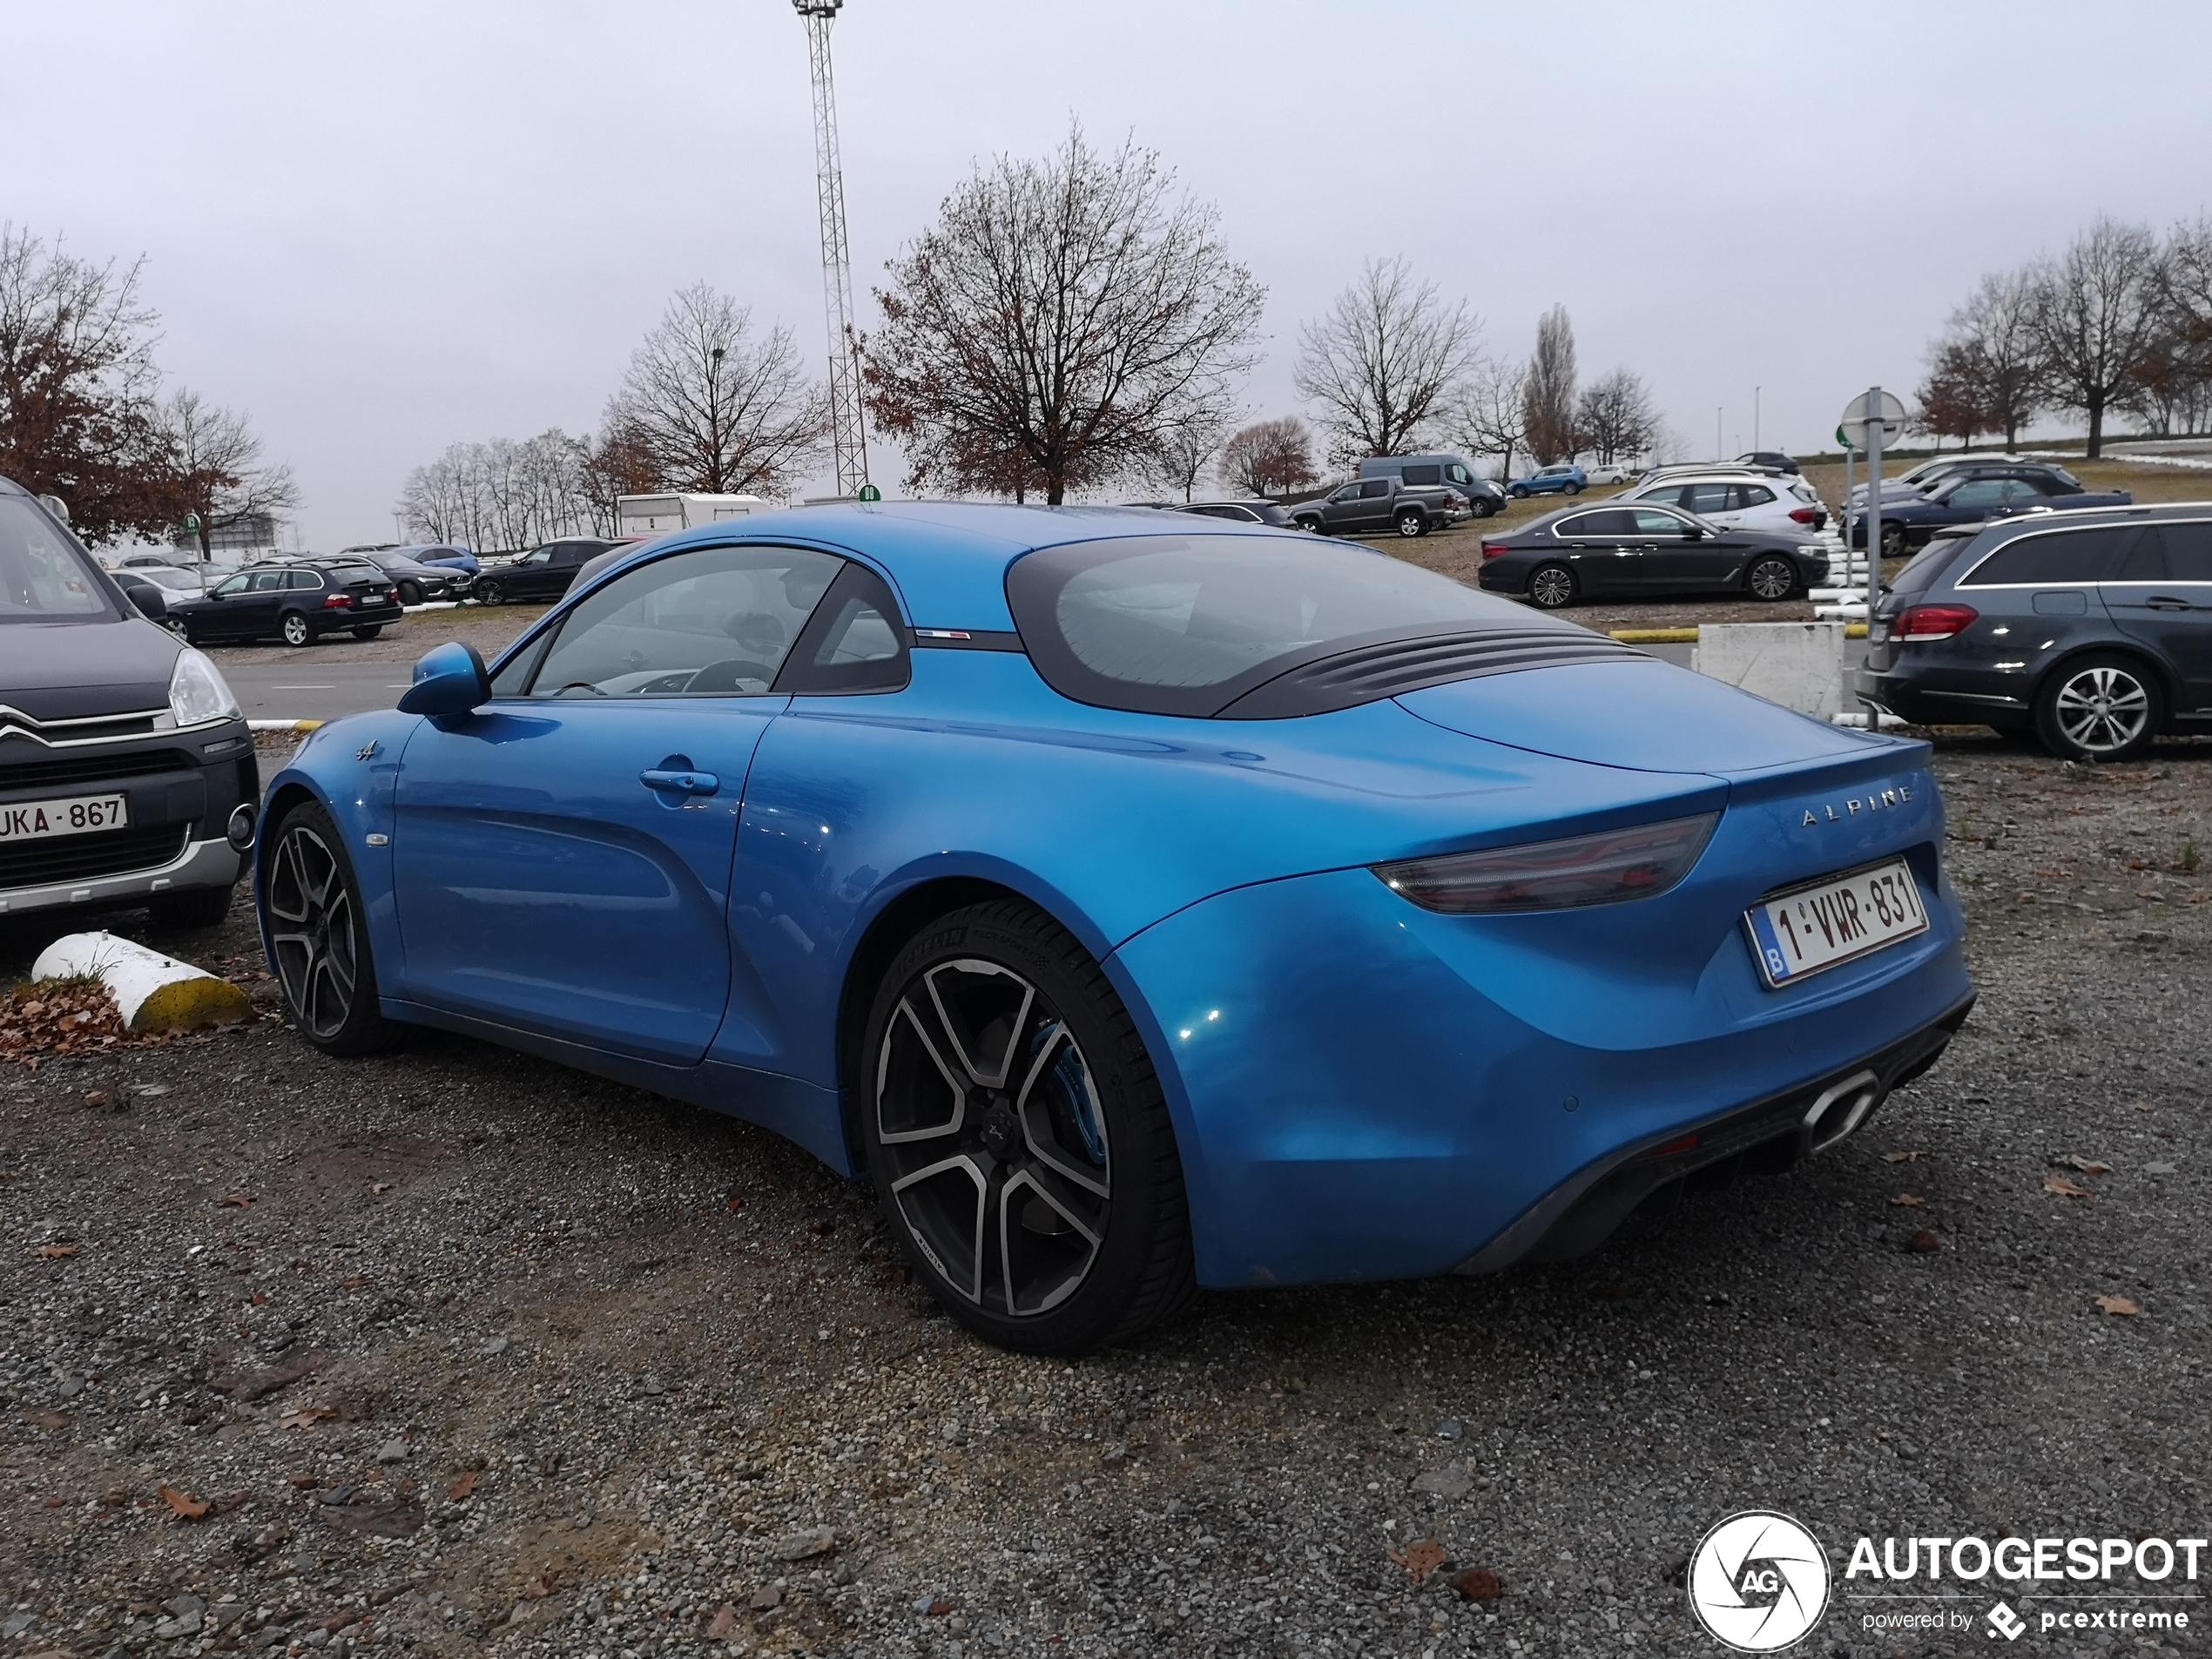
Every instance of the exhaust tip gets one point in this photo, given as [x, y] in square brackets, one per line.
[240, 830]
[1841, 1109]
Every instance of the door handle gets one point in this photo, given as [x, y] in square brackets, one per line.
[2168, 601]
[688, 782]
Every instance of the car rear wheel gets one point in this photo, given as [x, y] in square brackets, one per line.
[1574, 489]
[491, 593]
[313, 928]
[2104, 707]
[1893, 540]
[1772, 578]
[295, 630]
[1018, 1138]
[368, 633]
[1551, 587]
[1413, 523]
[411, 593]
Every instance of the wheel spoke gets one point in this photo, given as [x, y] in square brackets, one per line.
[1046, 1148]
[981, 1076]
[958, 1090]
[1048, 1256]
[945, 1172]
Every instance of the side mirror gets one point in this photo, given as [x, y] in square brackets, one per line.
[1693, 533]
[449, 679]
[151, 603]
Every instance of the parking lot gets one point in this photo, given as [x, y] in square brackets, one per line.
[457, 1351]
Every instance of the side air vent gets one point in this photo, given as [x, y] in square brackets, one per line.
[1372, 673]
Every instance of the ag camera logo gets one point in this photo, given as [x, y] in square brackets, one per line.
[1759, 1581]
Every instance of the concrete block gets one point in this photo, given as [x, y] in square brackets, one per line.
[1799, 664]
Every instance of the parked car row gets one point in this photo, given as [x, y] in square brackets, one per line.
[1972, 494]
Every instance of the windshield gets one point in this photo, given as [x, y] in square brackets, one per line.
[43, 576]
[1185, 624]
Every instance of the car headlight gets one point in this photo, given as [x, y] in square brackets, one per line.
[1605, 868]
[197, 692]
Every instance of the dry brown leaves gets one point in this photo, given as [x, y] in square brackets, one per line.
[2087, 1166]
[1477, 1584]
[1910, 1200]
[55, 1252]
[2066, 1188]
[307, 1418]
[182, 1504]
[1902, 1157]
[1420, 1558]
[462, 1488]
[2119, 1304]
[59, 1017]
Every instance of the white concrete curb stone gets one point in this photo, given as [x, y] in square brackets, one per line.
[153, 992]
[1799, 664]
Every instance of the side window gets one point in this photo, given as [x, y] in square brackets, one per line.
[234, 584]
[1350, 492]
[1424, 475]
[268, 581]
[1604, 525]
[855, 643]
[1214, 512]
[1651, 521]
[1705, 498]
[1460, 475]
[713, 621]
[2066, 555]
[540, 556]
[1979, 492]
[2169, 553]
[302, 581]
[1753, 495]
[1374, 489]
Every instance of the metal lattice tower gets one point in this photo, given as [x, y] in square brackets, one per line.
[848, 434]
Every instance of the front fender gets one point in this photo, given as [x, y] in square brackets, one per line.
[351, 768]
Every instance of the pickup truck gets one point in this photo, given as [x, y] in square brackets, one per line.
[1970, 496]
[1371, 506]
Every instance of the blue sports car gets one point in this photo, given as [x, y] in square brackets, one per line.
[1137, 907]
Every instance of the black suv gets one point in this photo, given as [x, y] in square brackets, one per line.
[299, 601]
[2092, 630]
[541, 574]
[126, 774]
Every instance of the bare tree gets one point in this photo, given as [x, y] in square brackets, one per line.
[2176, 384]
[216, 472]
[1382, 364]
[502, 493]
[2096, 317]
[718, 410]
[2002, 355]
[616, 464]
[77, 383]
[1058, 325]
[1551, 388]
[1187, 450]
[1615, 416]
[1490, 416]
[1268, 456]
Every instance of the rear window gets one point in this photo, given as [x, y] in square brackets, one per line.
[1928, 564]
[43, 577]
[1186, 624]
[2062, 556]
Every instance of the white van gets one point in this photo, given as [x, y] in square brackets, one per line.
[659, 514]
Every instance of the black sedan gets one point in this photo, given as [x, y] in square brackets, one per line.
[541, 574]
[416, 583]
[1634, 550]
[1973, 494]
[298, 602]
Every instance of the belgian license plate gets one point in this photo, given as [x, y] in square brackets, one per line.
[371, 599]
[1834, 920]
[32, 820]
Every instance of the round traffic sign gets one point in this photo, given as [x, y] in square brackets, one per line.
[1860, 412]
[869, 492]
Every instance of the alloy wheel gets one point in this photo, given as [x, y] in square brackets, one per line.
[994, 1137]
[1773, 579]
[1552, 586]
[294, 629]
[2102, 709]
[311, 933]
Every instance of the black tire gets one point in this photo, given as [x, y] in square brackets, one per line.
[1048, 1057]
[2104, 706]
[368, 633]
[1311, 525]
[488, 592]
[411, 593]
[187, 912]
[1484, 507]
[1519, 492]
[1411, 522]
[295, 630]
[1773, 578]
[1552, 587]
[314, 933]
[1893, 545]
[1574, 489]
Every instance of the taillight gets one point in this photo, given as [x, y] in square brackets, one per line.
[1934, 622]
[1604, 868]
[338, 601]
[1801, 514]
[1492, 550]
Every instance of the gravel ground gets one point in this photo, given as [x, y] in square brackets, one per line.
[466, 1353]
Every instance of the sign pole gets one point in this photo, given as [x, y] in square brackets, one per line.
[1874, 435]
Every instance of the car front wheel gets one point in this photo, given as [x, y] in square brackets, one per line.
[1551, 587]
[1893, 540]
[1018, 1138]
[2104, 707]
[1310, 526]
[1771, 579]
[491, 593]
[295, 630]
[314, 929]
[1484, 507]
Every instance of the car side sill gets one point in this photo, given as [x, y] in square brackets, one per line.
[1581, 1213]
[800, 1112]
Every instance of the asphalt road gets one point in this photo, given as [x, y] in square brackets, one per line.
[313, 688]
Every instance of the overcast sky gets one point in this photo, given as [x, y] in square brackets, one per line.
[380, 229]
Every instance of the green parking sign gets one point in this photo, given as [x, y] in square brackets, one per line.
[869, 492]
